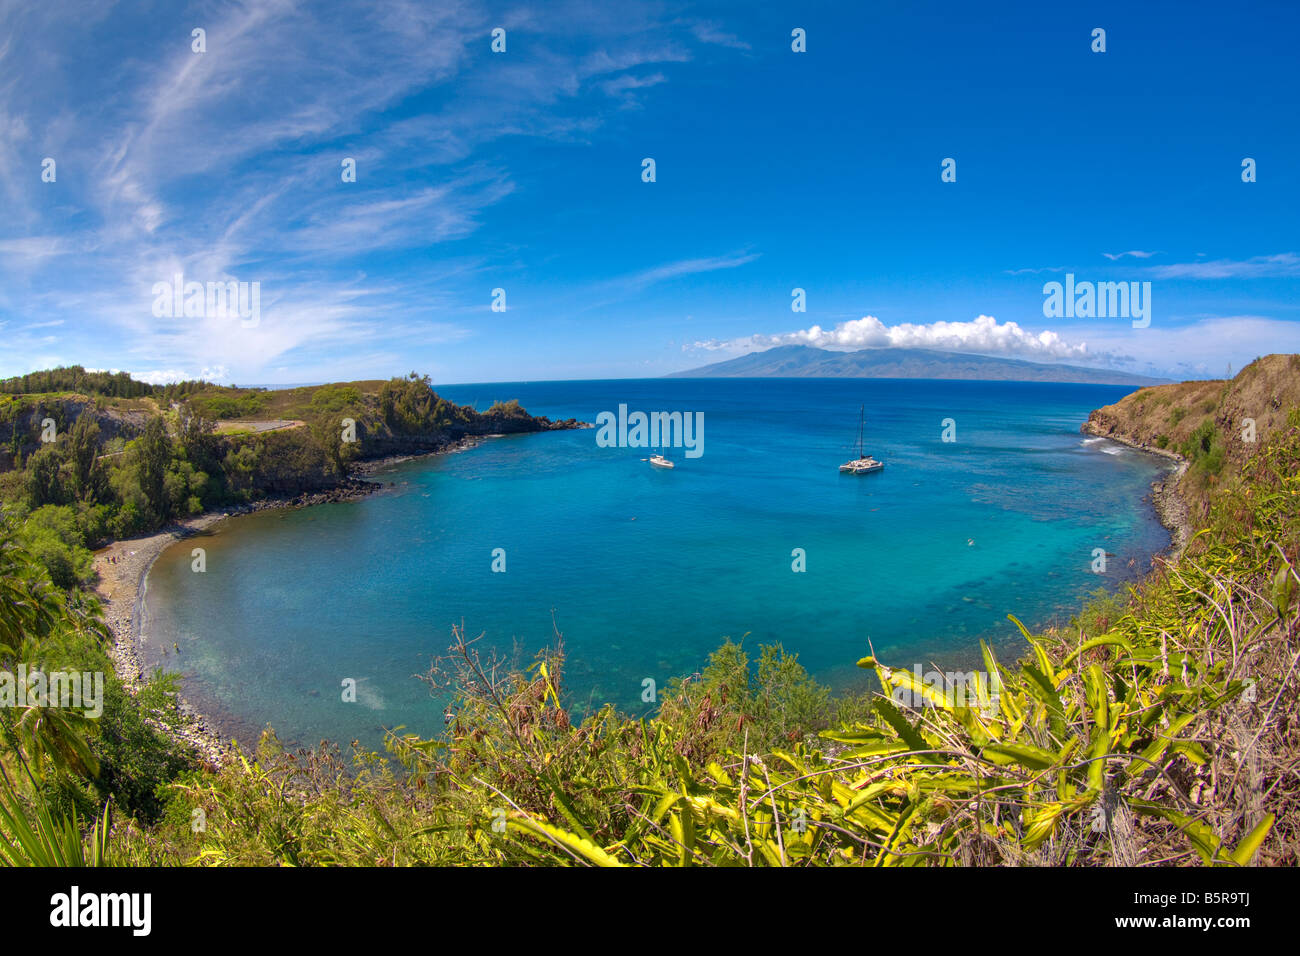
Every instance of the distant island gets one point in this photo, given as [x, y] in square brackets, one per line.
[805, 361]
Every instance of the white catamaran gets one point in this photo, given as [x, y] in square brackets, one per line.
[864, 464]
[659, 461]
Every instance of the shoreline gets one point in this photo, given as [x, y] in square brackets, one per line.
[362, 469]
[122, 567]
[1171, 508]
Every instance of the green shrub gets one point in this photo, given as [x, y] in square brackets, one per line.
[334, 399]
[222, 406]
[1205, 449]
[137, 759]
[53, 535]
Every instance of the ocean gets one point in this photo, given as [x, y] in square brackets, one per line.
[645, 571]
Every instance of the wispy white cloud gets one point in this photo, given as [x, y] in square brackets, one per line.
[683, 267]
[225, 166]
[708, 31]
[627, 86]
[1135, 253]
[34, 249]
[1031, 271]
[397, 218]
[1284, 264]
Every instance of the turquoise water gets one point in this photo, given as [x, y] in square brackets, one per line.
[646, 571]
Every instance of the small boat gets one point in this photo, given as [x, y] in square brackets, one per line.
[864, 464]
[659, 461]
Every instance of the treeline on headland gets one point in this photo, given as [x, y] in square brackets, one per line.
[88, 457]
[1157, 728]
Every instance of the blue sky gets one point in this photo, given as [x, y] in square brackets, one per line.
[522, 171]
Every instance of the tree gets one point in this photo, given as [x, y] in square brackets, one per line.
[154, 454]
[83, 451]
[199, 443]
[407, 404]
[44, 483]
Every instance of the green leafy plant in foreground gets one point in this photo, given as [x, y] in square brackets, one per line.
[46, 840]
[1159, 728]
[1092, 750]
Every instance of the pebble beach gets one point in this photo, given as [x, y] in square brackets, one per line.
[121, 568]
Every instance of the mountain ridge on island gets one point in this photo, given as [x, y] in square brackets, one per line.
[806, 361]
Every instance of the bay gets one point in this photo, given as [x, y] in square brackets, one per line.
[645, 571]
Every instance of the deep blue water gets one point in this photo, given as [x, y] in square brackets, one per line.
[647, 571]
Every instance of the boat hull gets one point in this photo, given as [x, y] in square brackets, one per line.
[854, 468]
